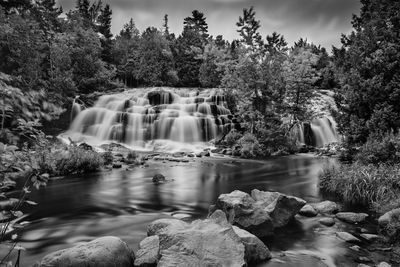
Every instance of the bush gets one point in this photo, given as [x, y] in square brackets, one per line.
[64, 160]
[250, 147]
[107, 157]
[232, 137]
[377, 149]
[375, 186]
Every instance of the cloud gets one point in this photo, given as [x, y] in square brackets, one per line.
[320, 21]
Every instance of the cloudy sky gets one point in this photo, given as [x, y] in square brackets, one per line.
[320, 21]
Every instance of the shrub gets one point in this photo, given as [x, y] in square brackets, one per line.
[232, 137]
[375, 186]
[250, 147]
[107, 157]
[380, 149]
[64, 160]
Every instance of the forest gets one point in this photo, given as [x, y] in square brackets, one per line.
[49, 56]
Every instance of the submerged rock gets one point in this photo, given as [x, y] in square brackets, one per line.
[259, 213]
[210, 242]
[327, 221]
[158, 178]
[370, 237]
[351, 217]
[347, 237]
[101, 252]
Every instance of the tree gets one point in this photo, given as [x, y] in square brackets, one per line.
[197, 23]
[300, 76]
[189, 47]
[125, 53]
[248, 29]
[105, 29]
[155, 66]
[368, 64]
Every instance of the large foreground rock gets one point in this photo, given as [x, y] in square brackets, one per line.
[101, 252]
[259, 213]
[210, 242]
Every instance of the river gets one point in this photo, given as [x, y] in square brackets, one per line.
[122, 202]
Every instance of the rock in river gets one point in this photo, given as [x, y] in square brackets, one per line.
[101, 252]
[326, 207]
[259, 213]
[158, 178]
[351, 217]
[210, 242]
[308, 211]
[347, 237]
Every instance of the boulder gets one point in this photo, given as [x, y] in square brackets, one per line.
[389, 223]
[148, 252]
[210, 242]
[259, 213]
[327, 221]
[282, 209]
[326, 207]
[347, 237]
[351, 217]
[255, 250]
[158, 178]
[308, 211]
[101, 252]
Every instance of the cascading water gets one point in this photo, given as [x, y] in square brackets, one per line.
[318, 133]
[139, 118]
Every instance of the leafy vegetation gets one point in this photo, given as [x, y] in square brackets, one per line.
[376, 186]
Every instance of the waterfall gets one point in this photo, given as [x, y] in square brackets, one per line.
[139, 117]
[318, 133]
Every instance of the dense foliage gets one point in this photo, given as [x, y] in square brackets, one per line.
[369, 71]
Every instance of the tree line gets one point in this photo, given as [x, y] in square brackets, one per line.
[65, 54]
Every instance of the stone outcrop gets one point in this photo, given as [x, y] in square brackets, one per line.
[259, 213]
[210, 242]
[101, 252]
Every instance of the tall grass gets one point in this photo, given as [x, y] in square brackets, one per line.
[377, 186]
[64, 160]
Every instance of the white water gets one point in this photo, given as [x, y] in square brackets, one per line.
[322, 132]
[149, 119]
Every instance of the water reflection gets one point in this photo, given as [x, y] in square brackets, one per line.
[122, 202]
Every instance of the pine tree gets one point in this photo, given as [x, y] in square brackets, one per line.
[248, 29]
[197, 23]
[105, 29]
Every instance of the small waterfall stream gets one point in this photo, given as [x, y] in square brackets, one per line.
[320, 132]
[141, 117]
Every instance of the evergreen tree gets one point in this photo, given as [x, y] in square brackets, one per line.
[248, 30]
[370, 74]
[105, 29]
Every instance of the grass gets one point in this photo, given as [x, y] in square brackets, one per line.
[63, 160]
[376, 186]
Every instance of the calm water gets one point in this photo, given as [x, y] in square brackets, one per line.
[122, 203]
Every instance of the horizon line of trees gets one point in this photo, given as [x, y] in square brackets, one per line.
[264, 78]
